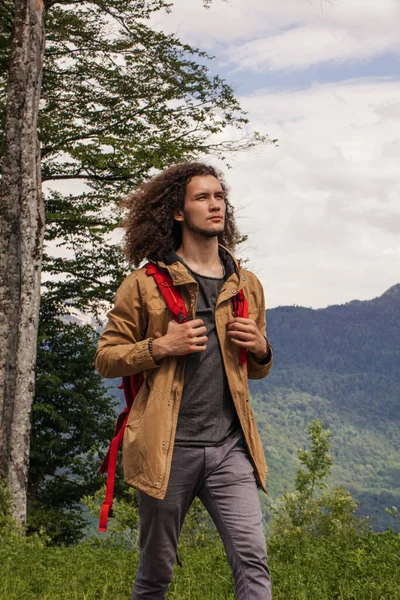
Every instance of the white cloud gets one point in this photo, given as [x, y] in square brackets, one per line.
[305, 46]
[288, 34]
[322, 210]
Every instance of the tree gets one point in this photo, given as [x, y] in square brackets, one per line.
[21, 236]
[72, 422]
[119, 100]
[115, 109]
[308, 510]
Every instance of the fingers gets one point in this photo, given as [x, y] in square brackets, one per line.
[194, 328]
[241, 320]
[197, 332]
[200, 340]
[240, 324]
[197, 348]
[188, 337]
[190, 328]
[243, 332]
[242, 343]
[196, 323]
[241, 335]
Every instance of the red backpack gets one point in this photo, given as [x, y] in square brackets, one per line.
[131, 384]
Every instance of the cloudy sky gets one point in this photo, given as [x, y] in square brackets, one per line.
[322, 210]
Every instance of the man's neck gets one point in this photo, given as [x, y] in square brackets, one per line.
[201, 255]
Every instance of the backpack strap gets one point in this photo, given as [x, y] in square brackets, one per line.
[169, 292]
[131, 385]
[241, 309]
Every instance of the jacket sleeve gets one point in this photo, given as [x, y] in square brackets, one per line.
[255, 370]
[121, 349]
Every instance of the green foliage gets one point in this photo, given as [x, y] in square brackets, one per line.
[345, 566]
[72, 422]
[317, 463]
[8, 526]
[85, 572]
[361, 566]
[308, 510]
[76, 573]
[123, 525]
[198, 529]
[12, 534]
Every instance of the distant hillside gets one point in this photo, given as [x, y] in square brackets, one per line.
[341, 365]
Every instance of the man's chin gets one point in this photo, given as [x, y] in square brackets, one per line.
[208, 233]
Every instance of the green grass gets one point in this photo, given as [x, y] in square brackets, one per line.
[87, 572]
[357, 567]
[361, 566]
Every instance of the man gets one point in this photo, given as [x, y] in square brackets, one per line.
[191, 430]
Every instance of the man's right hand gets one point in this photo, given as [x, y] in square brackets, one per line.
[181, 339]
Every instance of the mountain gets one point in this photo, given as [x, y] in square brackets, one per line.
[339, 364]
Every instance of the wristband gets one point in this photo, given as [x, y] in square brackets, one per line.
[264, 359]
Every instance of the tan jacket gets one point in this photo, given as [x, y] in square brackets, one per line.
[140, 313]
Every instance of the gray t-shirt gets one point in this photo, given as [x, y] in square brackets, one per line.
[207, 415]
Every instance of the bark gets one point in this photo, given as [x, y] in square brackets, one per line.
[21, 242]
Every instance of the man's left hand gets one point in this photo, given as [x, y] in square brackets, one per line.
[245, 333]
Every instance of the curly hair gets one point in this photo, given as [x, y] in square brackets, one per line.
[151, 230]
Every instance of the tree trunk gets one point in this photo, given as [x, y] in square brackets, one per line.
[21, 242]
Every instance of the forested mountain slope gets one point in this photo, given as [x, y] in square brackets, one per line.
[340, 364]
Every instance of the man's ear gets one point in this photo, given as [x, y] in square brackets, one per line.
[178, 215]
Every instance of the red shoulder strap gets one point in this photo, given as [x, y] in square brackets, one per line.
[241, 309]
[131, 385]
[169, 292]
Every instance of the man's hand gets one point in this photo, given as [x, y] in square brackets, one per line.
[181, 339]
[245, 333]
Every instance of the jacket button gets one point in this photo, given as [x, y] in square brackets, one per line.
[156, 484]
[163, 444]
[244, 278]
[233, 291]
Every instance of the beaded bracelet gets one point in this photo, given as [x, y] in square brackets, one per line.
[267, 355]
[151, 347]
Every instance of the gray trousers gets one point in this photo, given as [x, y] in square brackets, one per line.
[223, 478]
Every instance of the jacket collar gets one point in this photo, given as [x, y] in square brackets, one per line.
[180, 275]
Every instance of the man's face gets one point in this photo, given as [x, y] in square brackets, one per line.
[204, 206]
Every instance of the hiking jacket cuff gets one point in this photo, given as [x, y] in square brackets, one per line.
[124, 360]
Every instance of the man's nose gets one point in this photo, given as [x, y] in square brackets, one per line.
[214, 204]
